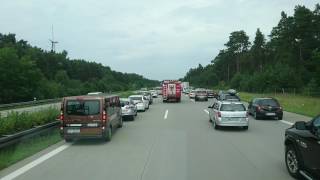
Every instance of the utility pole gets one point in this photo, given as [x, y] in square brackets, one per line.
[53, 42]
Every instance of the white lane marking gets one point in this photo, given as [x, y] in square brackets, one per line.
[206, 111]
[34, 163]
[166, 114]
[286, 122]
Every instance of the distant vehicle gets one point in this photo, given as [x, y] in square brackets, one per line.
[94, 93]
[148, 95]
[90, 117]
[171, 90]
[201, 94]
[211, 94]
[192, 94]
[128, 108]
[265, 108]
[185, 86]
[226, 113]
[154, 93]
[144, 89]
[159, 90]
[302, 148]
[141, 101]
[227, 96]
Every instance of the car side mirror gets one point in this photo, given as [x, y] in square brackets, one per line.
[300, 125]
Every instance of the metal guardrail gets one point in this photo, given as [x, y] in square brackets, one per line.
[14, 138]
[38, 102]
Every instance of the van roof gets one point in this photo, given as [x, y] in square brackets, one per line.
[98, 96]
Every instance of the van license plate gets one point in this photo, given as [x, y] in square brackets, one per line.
[73, 131]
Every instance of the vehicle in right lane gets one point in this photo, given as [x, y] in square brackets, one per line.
[302, 148]
[226, 113]
[262, 108]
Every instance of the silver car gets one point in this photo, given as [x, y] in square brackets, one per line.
[226, 113]
[128, 108]
[141, 101]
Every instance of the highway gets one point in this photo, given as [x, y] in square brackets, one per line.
[169, 141]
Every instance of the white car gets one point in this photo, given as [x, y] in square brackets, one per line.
[192, 94]
[141, 101]
[154, 93]
[228, 113]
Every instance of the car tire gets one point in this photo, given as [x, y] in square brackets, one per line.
[293, 163]
[108, 135]
[245, 127]
[280, 117]
[215, 126]
[132, 117]
[255, 115]
[68, 140]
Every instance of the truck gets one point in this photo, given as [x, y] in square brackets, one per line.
[171, 90]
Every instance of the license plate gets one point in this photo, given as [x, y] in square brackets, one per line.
[73, 131]
[270, 114]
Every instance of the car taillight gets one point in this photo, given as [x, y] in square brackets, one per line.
[258, 108]
[219, 114]
[104, 116]
[61, 116]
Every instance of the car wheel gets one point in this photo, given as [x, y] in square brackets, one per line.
[132, 117]
[68, 140]
[215, 126]
[256, 117]
[292, 161]
[120, 123]
[108, 134]
[280, 117]
[245, 127]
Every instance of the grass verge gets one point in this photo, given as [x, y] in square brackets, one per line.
[12, 154]
[308, 106]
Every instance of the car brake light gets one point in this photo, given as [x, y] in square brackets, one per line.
[61, 116]
[219, 114]
[258, 108]
[104, 116]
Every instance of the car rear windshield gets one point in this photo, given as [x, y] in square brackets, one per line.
[123, 103]
[136, 98]
[268, 102]
[201, 92]
[83, 108]
[232, 107]
[231, 97]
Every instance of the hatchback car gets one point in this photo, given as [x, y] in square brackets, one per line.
[141, 101]
[262, 108]
[128, 108]
[201, 95]
[226, 113]
[211, 94]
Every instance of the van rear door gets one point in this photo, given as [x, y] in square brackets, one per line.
[83, 112]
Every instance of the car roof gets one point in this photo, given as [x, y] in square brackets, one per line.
[136, 95]
[124, 99]
[231, 102]
[88, 97]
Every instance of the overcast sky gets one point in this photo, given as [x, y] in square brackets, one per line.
[159, 39]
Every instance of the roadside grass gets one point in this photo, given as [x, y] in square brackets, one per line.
[16, 122]
[12, 154]
[308, 106]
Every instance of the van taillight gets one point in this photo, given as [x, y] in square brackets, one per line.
[61, 116]
[104, 116]
[219, 114]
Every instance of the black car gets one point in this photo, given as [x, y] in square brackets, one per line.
[228, 97]
[212, 94]
[302, 149]
[262, 108]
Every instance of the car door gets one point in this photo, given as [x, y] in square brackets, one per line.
[309, 144]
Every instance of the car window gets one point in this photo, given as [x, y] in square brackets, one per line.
[83, 108]
[123, 103]
[268, 102]
[136, 98]
[232, 107]
[316, 122]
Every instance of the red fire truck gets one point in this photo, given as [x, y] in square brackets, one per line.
[171, 90]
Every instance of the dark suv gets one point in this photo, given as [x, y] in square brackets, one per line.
[265, 108]
[302, 149]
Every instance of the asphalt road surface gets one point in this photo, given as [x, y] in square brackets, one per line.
[170, 141]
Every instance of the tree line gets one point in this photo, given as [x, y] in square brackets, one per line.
[27, 72]
[290, 58]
